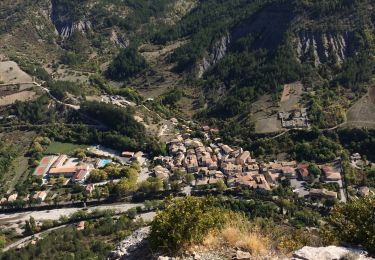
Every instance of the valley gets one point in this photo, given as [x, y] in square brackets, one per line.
[172, 129]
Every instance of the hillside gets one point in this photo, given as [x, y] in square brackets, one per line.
[195, 129]
[223, 55]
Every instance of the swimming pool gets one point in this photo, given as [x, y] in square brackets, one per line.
[104, 162]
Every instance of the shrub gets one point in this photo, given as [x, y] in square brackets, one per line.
[239, 232]
[185, 222]
[354, 223]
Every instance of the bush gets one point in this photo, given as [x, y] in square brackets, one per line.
[2, 241]
[354, 223]
[184, 222]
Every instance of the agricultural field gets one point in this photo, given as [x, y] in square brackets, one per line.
[162, 78]
[291, 97]
[62, 148]
[18, 171]
[20, 96]
[265, 111]
[362, 113]
[11, 73]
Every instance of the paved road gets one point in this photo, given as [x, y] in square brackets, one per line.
[55, 214]
[24, 241]
[149, 216]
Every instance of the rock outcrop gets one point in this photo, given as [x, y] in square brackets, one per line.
[118, 40]
[65, 26]
[217, 52]
[329, 253]
[325, 46]
[266, 28]
[128, 248]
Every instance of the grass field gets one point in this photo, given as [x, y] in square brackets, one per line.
[57, 147]
[362, 113]
[263, 110]
[17, 173]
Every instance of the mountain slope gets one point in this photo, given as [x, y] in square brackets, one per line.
[232, 52]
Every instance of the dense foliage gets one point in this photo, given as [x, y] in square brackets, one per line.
[359, 141]
[322, 149]
[60, 89]
[35, 112]
[126, 64]
[250, 62]
[119, 119]
[354, 223]
[7, 154]
[94, 242]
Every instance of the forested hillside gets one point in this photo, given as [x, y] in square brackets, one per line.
[233, 52]
[257, 46]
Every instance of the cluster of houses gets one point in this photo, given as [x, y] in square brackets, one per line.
[117, 100]
[38, 196]
[294, 119]
[234, 166]
[73, 169]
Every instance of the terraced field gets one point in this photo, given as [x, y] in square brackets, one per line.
[362, 113]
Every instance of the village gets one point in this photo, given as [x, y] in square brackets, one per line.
[211, 162]
[206, 159]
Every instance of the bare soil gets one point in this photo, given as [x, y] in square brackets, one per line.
[10, 72]
[291, 96]
[20, 96]
[263, 113]
[362, 113]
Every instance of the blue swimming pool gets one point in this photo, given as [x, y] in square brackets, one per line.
[104, 162]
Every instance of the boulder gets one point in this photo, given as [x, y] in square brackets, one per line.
[329, 253]
[241, 255]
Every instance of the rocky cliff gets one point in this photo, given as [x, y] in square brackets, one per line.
[66, 25]
[267, 29]
[215, 54]
[325, 46]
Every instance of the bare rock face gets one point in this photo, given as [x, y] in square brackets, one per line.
[325, 46]
[128, 247]
[68, 29]
[241, 255]
[119, 40]
[329, 253]
[216, 53]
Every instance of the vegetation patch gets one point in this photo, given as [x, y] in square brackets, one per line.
[62, 148]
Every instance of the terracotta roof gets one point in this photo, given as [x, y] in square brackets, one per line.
[62, 170]
[127, 154]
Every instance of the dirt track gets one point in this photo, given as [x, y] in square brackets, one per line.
[372, 94]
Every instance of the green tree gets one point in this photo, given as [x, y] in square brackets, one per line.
[2, 241]
[125, 186]
[98, 175]
[353, 223]
[189, 178]
[220, 186]
[33, 224]
[314, 169]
